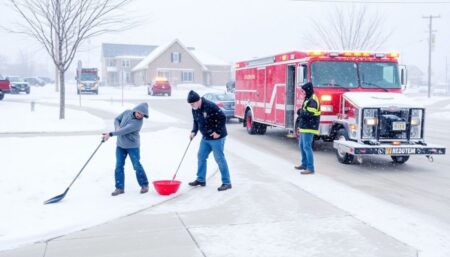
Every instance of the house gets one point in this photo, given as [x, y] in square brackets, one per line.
[180, 65]
[118, 60]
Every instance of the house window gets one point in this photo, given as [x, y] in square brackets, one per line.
[175, 57]
[187, 76]
[125, 63]
[164, 74]
[111, 63]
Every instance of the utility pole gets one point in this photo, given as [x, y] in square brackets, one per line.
[430, 36]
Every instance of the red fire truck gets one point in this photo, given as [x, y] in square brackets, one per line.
[362, 108]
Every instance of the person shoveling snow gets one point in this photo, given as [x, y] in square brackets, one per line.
[127, 127]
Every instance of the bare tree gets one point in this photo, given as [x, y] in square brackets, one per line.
[349, 29]
[60, 26]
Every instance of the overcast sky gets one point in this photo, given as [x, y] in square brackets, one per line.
[241, 29]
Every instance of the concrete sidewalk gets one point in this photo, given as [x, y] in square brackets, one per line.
[260, 216]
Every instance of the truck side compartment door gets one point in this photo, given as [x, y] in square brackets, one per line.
[290, 97]
[260, 96]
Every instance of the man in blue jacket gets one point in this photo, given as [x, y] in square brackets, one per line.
[127, 127]
[210, 120]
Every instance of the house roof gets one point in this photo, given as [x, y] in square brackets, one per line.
[113, 50]
[159, 51]
[200, 57]
[208, 59]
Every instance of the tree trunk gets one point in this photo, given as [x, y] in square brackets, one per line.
[56, 79]
[62, 92]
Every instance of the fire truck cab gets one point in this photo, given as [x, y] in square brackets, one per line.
[363, 110]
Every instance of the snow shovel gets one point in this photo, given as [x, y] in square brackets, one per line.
[167, 187]
[61, 196]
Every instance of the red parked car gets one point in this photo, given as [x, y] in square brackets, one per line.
[5, 88]
[160, 86]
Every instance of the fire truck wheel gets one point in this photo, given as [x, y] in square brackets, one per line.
[1, 95]
[400, 159]
[342, 156]
[250, 124]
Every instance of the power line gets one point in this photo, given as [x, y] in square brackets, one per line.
[374, 2]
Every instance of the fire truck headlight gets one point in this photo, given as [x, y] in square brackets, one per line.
[415, 121]
[370, 122]
[326, 108]
[353, 130]
[416, 124]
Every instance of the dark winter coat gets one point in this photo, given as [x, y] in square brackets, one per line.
[128, 127]
[309, 115]
[209, 118]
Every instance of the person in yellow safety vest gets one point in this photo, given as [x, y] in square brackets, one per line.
[308, 119]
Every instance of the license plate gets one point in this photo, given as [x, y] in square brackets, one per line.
[395, 151]
[398, 125]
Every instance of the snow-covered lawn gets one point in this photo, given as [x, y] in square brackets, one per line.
[34, 169]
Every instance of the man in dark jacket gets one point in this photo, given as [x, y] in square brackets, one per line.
[308, 120]
[210, 120]
[127, 127]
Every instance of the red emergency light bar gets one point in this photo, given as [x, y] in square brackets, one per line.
[352, 54]
[317, 53]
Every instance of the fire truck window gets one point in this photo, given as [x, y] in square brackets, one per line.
[334, 74]
[379, 75]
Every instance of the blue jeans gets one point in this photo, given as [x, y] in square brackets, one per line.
[121, 155]
[305, 144]
[216, 146]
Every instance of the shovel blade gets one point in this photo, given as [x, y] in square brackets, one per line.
[56, 198]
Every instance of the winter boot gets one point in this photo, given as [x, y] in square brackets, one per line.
[300, 167]
[118, 191]
[197, 183]
[144, 189]
[224, 187]
[307, 172]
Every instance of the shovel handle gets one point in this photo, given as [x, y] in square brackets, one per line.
[92, 155]
[174, 175]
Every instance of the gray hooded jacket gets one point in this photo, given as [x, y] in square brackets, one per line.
[128, 127]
